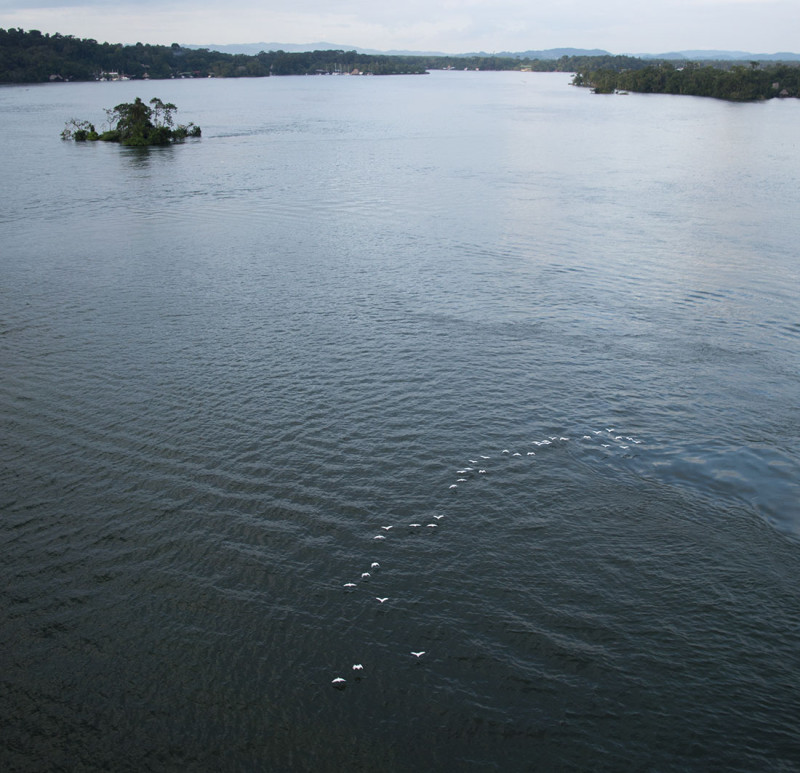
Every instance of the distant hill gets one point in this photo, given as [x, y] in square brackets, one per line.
[251, 49]
[550, 53]
[254, 48]
[546, 54]
[723, 56]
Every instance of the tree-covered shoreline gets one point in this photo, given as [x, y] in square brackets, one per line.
[34, 57]
[735, 82]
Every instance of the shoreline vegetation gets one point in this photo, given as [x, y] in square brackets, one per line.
[753, 81]
[134, 123]
[34, 57]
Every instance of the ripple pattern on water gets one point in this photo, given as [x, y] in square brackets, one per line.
[228, 365]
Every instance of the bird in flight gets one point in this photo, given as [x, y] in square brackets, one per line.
[418, 654]
[378, 598]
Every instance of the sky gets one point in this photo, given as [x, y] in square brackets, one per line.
[451, 26]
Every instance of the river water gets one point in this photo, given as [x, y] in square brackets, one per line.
[557, 330]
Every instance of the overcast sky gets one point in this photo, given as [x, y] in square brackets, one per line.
[453, 26]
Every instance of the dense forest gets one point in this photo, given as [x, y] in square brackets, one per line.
[733, 81]
[34, 57]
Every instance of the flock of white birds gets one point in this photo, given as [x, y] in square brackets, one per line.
[610, 439]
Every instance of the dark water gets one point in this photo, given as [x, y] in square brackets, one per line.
[227, 365]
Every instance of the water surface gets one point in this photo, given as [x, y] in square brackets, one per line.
[228, 364]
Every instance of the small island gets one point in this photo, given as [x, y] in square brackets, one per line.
[134, 123]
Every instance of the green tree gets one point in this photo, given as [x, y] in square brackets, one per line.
[135, 123]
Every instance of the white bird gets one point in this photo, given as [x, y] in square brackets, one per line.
[338, 681]
[531, 453]
[431, 525]
[349, 585]
[377, 598]
[358, 667]
[472, 461]
[365, 575]
[504, 451]
[379, 536]
[586, 437]
[438, 517]
[461, 480]
[482, 472]
[563, 438]
[605, 445]
[418, 654]
[552, 437]
[461, 472]
[374, 565]
[415, 524]
[596, 431]
[386, 528]
[453, 485]
[485, 457]
[516, 453]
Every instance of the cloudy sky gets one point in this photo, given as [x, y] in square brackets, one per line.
[454, 26]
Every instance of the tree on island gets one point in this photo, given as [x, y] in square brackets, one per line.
[134, 123]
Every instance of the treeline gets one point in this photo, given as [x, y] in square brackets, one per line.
[732, 81]
[34, 57]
